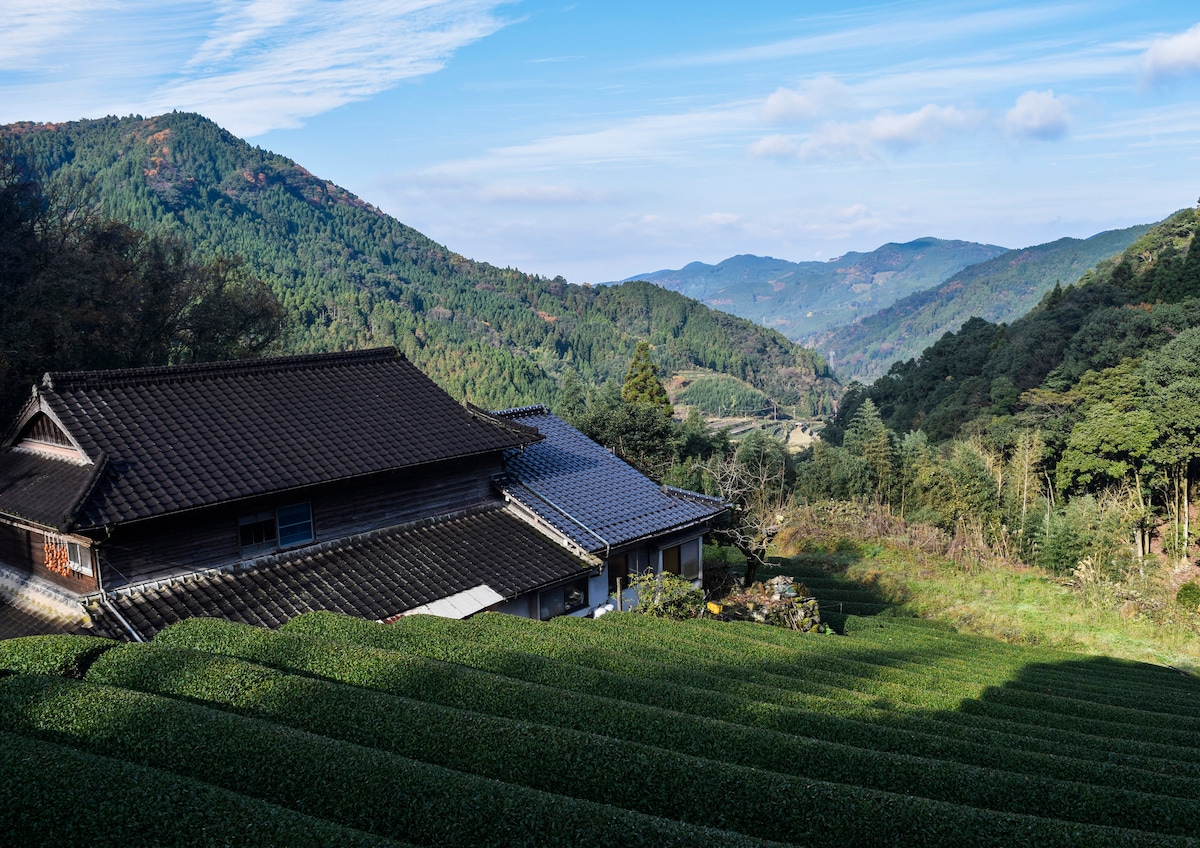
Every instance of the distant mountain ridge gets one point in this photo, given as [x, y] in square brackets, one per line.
[351, 276]
[801, 299]
[998, 290]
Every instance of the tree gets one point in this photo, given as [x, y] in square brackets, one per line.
[868, 439]
[756, 479]
[642, 385]
[81, 292]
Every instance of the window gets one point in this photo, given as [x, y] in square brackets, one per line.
[683, 559]
[280, 528]
[295, 524]
[79, 558]
[562, 599]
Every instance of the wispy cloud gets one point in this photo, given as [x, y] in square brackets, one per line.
[644, 139]
[33, 28]
[1173, 57]
[932, 25]
[271, 63]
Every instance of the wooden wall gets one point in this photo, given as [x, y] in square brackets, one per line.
[208, 538]
[24, 551]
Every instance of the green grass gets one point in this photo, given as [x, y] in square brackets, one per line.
[1019, 605]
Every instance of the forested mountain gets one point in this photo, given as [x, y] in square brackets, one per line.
[803, 298]
[349, 275]
[1000, 289]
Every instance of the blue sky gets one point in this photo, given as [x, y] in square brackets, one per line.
[598, 139]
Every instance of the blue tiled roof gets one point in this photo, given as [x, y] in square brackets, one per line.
[588, 494]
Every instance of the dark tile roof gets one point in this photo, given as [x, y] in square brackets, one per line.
[587, 493]
[375, 576]
[176, 438]
[18, 620]
[40, 489]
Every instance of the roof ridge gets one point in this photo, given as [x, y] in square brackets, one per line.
[522, 411]
[66, 380]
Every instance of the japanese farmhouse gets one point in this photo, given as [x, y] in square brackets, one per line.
[256, 491]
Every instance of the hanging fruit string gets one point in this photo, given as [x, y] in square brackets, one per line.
[56, 557]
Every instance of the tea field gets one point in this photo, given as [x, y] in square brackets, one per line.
[626, 730]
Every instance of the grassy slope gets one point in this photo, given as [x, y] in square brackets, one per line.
[1021, 605]
[621, 731]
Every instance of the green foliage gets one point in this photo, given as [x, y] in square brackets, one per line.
[724, 395]
[1188, 595]
[141, 805]
[65, 654]
[1000, 289]
[642, 386]
[549, 730]
[82, 292]
[667, 596]
[349, 276]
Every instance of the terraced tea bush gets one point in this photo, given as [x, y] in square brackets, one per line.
[65, 654]
[351, 785]
[118, 804]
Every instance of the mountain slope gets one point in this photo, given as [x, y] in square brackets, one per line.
[998, 290]
[803, 298]
[351, 276]
[1121, 312]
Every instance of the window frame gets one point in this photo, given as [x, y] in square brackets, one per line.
[266, 530]
[560, 594]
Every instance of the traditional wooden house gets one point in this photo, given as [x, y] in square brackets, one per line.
[596, 504]
[260, 490]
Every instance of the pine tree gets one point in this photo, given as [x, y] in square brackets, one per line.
[642, 385]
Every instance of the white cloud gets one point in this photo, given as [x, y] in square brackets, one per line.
[1039, 114]
[1169, 58]
[34, 29]
[775, 147]
[814, 99]
[862, 139]
[271, 63]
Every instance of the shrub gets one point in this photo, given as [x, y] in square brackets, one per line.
[667, 596]
[1189, 595]
[65, 654]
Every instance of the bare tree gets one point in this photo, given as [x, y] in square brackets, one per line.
[756, 480]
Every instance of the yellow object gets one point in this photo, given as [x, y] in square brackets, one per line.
[714, 608]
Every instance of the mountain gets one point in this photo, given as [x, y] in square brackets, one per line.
[999, 290]
[351, 276]
[1097, 339]
[803, 298]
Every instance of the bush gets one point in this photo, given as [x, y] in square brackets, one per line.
[1189, 595]
[667, 596]
[64, 654]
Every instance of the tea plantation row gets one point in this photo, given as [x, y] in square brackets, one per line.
[623, 731]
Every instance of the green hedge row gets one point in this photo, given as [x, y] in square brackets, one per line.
[64, 654]
[947, 781]
[54, 795]
[352, 785]
[853, 812]
[686, 788]
[434, 637]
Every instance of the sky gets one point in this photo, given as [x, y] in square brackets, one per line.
[600, 139]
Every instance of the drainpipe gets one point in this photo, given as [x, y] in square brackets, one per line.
[108, 605]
